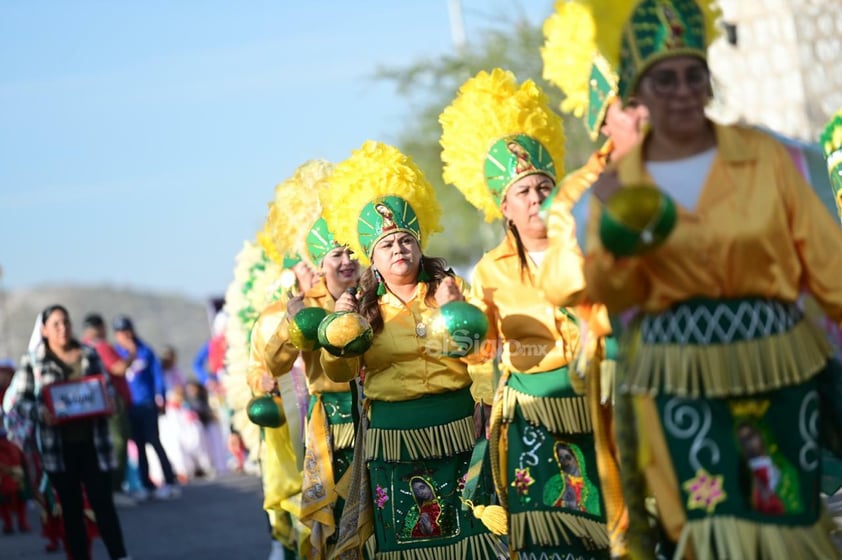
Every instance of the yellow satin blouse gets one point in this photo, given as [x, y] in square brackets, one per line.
[561, 274]
[535, 334]
[758, 229]
[402, 365]
[270, 341]
[263, 329]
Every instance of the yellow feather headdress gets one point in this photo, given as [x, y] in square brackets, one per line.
[568, 52]
[496, 132]
[574, 64]
[375, 192]
[294, 213]
[632, 36]
[613, 15]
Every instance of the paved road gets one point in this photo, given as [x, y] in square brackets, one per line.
[220, 519]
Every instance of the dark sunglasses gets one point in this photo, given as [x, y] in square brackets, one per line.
[668, 82]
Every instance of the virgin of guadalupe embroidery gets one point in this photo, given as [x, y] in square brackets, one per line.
[423, 518]
[523, 161]
[771, 480]
[387, 215]
[571, 488]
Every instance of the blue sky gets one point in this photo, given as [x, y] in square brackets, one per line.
[141, 141]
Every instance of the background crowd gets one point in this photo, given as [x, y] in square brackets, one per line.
[703, 243]
[163, 429]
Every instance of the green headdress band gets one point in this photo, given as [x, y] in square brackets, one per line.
[602, 90]
[514, 157]
[383, 216]
[320, 241]
[831, 141]
[290, 261]
[659, 29]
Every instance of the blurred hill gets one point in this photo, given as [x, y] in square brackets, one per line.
[160, 319]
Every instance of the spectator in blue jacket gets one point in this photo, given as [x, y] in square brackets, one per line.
[146, 383]
[200, 365]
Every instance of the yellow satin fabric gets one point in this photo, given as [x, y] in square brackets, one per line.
[359, 508]
[319, 489]
[263, 329]
[271, 350]
[279, 463]
[758, 229]
[399, 365]
[279, 353]
[561, 275]
[281, 480]
[536, 335]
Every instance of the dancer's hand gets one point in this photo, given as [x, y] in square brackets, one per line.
[448, 291]
[606, 185]
[294, 305]
[347, 302]
[267, 382]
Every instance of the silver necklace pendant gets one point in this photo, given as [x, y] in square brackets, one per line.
[421, 330]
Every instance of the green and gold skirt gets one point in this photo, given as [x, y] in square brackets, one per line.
[417, 453]
[723, 396]
[545, 459]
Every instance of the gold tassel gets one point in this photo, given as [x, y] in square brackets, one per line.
[494, 518]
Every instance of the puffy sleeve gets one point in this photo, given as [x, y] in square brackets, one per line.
[482, 382]
[816, 234]
[480, 295]
[480, 366]
[619, 283]
[279, 352]
[340, 370]
[561, 275]
[269, 349]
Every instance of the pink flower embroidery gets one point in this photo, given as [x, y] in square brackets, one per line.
[705, 491]
[523, 480]
[460, 485]
[380, 497]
